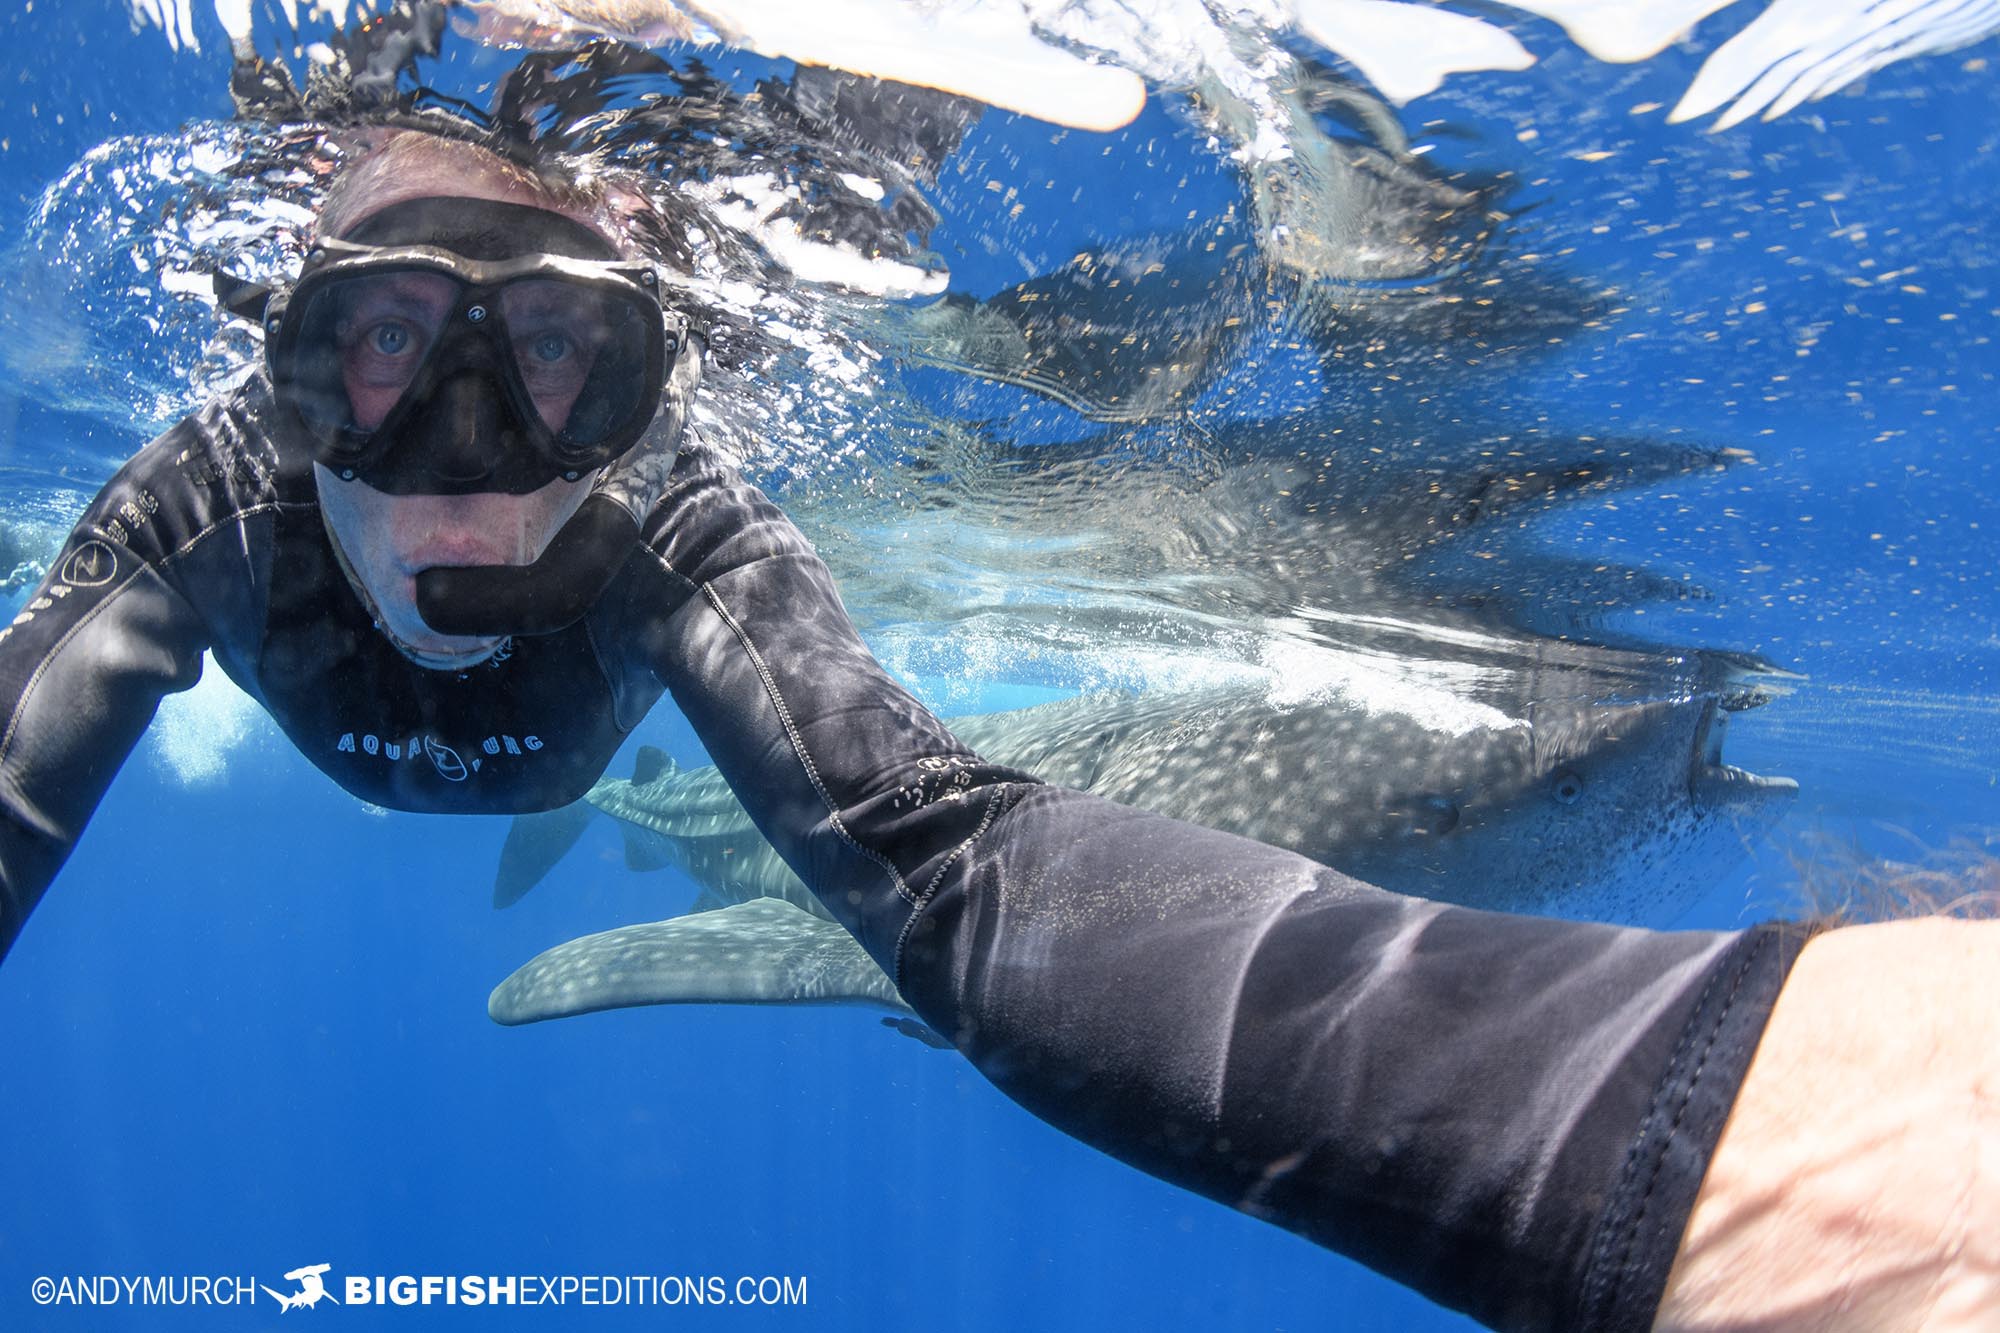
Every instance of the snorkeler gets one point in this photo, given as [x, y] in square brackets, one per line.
[457, 540]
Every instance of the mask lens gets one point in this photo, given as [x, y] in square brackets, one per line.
[362, 341]
[568, 369]
[581, 354]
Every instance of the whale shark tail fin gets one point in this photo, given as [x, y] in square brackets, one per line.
[534, 844]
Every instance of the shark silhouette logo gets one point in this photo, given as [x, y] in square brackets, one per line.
[312, 1289]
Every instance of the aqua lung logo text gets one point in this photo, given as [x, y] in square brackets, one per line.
[449, 763]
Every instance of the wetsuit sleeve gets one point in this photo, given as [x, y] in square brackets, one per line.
[82, 668]
[1511, 1115]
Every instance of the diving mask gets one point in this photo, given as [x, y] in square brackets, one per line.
[452, 346]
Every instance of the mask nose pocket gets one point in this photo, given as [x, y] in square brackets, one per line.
[463, 429]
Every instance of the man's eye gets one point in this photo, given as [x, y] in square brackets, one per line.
[550, 348]
[389, 338]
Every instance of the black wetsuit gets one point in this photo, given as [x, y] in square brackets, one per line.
[1509, 1114]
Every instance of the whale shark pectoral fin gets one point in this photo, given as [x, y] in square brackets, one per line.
[534, 844]
[644, 849]
[761, 952]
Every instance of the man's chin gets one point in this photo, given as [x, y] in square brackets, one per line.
[446, 644]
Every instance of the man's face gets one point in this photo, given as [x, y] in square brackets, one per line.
[388, 539]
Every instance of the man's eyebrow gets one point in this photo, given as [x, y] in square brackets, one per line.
[387, 297]
[393, 298]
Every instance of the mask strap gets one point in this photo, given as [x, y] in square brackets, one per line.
[242, 298]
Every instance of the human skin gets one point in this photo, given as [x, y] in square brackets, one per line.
[388, 539]
[394, 319]
[1856, 1185]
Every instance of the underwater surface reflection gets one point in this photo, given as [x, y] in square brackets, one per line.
[1511, 432]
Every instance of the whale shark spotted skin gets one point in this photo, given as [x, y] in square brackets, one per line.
[1621, 811]
[764, 951]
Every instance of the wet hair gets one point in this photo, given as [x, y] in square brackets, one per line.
[380, 167]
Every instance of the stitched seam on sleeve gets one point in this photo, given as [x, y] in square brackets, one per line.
[799, 744]
[1614, 1277]
[993, 809]
[236, 518]
[986, 818]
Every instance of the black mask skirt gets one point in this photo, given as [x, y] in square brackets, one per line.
[454, 346]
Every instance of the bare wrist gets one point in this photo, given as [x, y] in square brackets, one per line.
[1857, 1182]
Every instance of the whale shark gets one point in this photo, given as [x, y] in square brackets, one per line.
[1612, 810]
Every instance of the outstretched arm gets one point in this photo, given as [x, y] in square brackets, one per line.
[83, 667]
[1511, 1115]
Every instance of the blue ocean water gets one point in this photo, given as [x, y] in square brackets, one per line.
[246, 1029]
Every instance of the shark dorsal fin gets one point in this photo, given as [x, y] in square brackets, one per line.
[650, 763]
